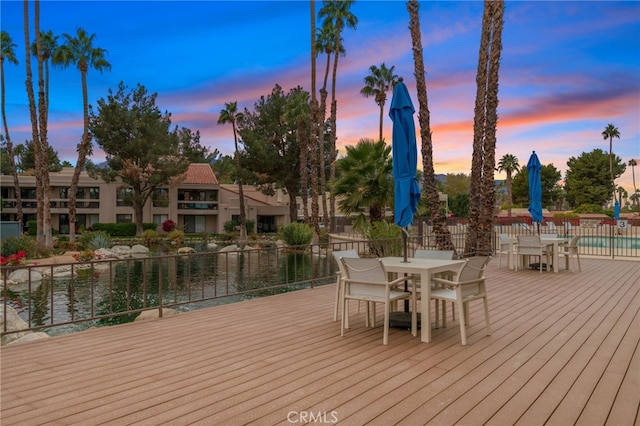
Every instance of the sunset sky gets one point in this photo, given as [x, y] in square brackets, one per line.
[568, 69]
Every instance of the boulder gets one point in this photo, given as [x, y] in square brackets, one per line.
[212, 246]
[14, 322]
[22, 276]
[186, 250]
[232, 247]
[104, 253]
[139, 249]
[121, 251]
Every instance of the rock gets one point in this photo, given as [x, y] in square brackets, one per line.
[121, 251]
[30, 337]
[139, 249]
[186, 250]
[104, 253]
[22, 276]
[232, 247]
[14, 322]
[153, 314]
[212, 246]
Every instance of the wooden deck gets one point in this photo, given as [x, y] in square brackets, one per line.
[565, 350]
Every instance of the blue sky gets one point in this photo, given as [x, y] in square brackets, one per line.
[568, 69]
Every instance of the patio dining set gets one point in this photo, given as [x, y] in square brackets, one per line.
[520, 249]
[429, 275]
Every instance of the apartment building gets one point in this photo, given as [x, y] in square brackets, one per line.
[195, 201]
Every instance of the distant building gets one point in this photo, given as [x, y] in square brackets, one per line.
[195, 201]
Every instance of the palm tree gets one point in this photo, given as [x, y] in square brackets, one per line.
[230, 114]
[297, 113]
[482, 191]
[49, 44]
[38, 131]
[338, 11]
[611, 132]
[80, 51]
[316, 125]
[377, 84]
[430, 186]
[633, 163]
[365, 182]
[509, 164]
[9, 53]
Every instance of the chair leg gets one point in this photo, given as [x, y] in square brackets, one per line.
[486, 315]
[339, 299]
[578, 257]
[463, 328]
[387, 311]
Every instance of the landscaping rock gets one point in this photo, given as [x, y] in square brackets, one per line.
[153, 314]
[22, 276]
[139, 249]
[30, 337]
[186, 250]
[14, 322]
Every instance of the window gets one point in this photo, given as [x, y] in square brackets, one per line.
[194, 224]
[63, 193]
[94, 193]
[123, 197]
[159, 218]
[124, 218]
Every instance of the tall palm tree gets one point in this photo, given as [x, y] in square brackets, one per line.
[482, 199]
[297, 113]
[611, 132]
[365, 182]
[38, 131]
[81, 52]
[509, 164]
[316, 125]
[430, 186]
[8, 53]
[633, 163]
[377, 84]
[338, 11]
[49, 43]
[325, 42]
[230, 114]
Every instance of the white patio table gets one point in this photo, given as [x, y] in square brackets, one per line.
[425, 268]
[550, 241]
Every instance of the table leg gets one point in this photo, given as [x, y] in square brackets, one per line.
[425, 333]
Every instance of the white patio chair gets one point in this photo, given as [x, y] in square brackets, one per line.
[531, 245]
[340, 275]
[552, 228]
[367, 280]
[434, 254]
[467, 285]
[570, 250]
[504, 246]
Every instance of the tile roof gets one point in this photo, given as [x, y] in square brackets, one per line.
[200, 174]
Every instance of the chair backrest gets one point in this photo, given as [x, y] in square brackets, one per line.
[552, 226]
[474, 268]
[549, 235]
[574, 242]
[365, 272]
[337, 255]
[504, 239]
[433, 254]
[529, 244]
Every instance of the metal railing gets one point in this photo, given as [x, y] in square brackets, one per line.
[74, 296]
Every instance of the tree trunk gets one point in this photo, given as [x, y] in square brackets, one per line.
[10, 153]
[430, 188]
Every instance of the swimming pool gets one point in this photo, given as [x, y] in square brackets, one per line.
[605, 242]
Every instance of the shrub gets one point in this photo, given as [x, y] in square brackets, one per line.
[176, 237]
[250, 226]
[149, 236]
[116, 229]
[12, 245]
[149, 226]
[384, 239]
[296, 234]
[32, 227]
[168, 225]
[229, 226]
[99, 240]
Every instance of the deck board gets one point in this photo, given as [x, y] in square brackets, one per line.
[565, 349]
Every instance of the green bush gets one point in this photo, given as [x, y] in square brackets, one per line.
[296, 234]
[116, 229]
[12, 245]
[384, 239]
[99, 240]
[229, 226]
[32, 227]
[150, 226]
[176, 236]
[149, 236]
[250, 226]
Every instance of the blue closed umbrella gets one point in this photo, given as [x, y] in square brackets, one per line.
[616, 210]
[405, 156]
[535, 188]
